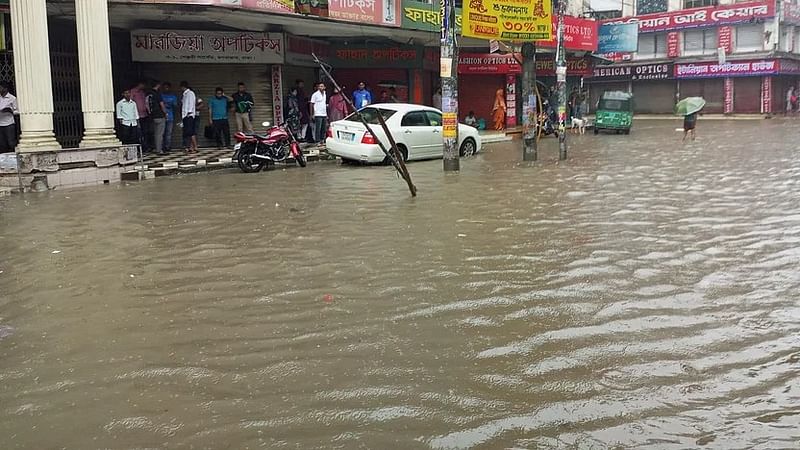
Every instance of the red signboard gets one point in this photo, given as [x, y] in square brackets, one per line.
[728, 103]
[766, 95]
[701, 17]
[285, 6]
[725, 39]
[729, 69]
[511, 101]
[673, 44]
[487, 63]
[579, 34]
[380, 12]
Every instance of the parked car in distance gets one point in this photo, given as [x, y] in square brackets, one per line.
[416, 129]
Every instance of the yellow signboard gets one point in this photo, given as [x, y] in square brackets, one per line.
[515, 20]
[449, 125]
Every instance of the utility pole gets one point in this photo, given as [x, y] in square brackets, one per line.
[530, 114]
[561, 83]
[449, 79]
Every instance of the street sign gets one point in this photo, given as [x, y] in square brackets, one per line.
[517, 20]
[494, 46]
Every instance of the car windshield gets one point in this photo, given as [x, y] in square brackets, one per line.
[371, 115]
[614, 105]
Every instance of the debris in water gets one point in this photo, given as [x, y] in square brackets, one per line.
[462, 235]
[55, 252]
[327, 298]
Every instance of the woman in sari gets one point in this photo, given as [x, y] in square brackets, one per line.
[499, 110]
[338, 106]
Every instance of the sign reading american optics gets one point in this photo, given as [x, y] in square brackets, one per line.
[656, 71]
[207, 46]
[700, 17]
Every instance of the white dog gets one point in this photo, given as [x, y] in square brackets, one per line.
[578, 125]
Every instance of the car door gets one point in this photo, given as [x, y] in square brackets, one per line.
[436, 146]
[417, 134]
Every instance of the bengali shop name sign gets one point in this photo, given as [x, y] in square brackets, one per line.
[518, 20]
[700, 17]
[730, 69]
[207, 46]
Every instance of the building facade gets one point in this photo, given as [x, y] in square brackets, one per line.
[741, 56]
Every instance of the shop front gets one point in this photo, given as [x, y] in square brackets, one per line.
[652, 85]
[211, 59]
[740, 86]
[385, 69]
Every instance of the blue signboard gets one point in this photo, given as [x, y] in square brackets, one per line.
[622, 38]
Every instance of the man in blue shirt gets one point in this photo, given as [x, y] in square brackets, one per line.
[361, 96]
[170, 103]
[218, 118]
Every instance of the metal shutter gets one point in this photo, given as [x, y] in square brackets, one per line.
[654, 97]
[750, 37]
[747, 95]
[205, 78]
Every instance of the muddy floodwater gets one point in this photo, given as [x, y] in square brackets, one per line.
[643, 294]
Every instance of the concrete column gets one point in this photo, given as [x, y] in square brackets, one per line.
[94, 59]
[33, 82]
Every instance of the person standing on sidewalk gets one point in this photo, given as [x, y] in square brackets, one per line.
[189, 118]
[318, 107]
[218, 118]
[128, 117]
[158, 117]
[303, 101]
[8, 128]
[139, 96]
[170, 103]
[361, 96]
[243, 104]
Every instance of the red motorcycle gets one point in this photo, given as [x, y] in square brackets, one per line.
[254, 151]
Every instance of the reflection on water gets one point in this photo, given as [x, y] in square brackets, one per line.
[643, 293]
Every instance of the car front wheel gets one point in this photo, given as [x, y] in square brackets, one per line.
[468, 147]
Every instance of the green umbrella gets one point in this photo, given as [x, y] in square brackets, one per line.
[689, 105]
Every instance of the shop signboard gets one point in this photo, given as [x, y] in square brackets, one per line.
[620, 37]
[729, 69]
[791, 13]
[652, 71]
[425, 16]
[766, 95]
[299, 51]
[277, 93]
[399, 57]
[511, 101]
[727, 105]
[517, 20]
[240, 47]
[376, 12]
[701, 17]
[789, 67]
[286, 6]
[579, 34]
[673, 44]
[489, 64]
[725, 39]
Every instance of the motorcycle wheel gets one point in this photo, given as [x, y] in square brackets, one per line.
[301, 159]
[248, 164]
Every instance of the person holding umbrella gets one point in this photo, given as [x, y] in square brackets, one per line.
[688, 108]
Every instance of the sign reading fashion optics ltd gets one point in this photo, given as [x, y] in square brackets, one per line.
[207, 46]
[701, 17]
[661, 71]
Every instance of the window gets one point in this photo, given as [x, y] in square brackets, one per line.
[434, 118]
[415, 119]
[750, 38]
[787, 39]
[700, 42]
[688, 4]
[796, 47]
[652, 45]
[371, 115]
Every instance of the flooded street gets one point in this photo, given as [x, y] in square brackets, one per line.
[642, 294]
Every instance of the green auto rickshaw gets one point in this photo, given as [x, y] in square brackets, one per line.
[614, 112]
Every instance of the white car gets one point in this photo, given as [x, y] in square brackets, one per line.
[416, 129]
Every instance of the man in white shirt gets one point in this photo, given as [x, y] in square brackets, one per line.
[189, 118]
[128, 117]
[8, 129]
[319, 111]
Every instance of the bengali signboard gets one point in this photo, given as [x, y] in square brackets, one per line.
[727, 105]
[277, 93]
[378, 12]
[425, 16]
[766, 95]
[700, 17]
[620, 37]
[401, 57]
[517, 20]
[286, 6]
[725, 39]
[673, 44]
[654, 71]
[791, 13]
[729, 69]
[489, 63]
[207, 46]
